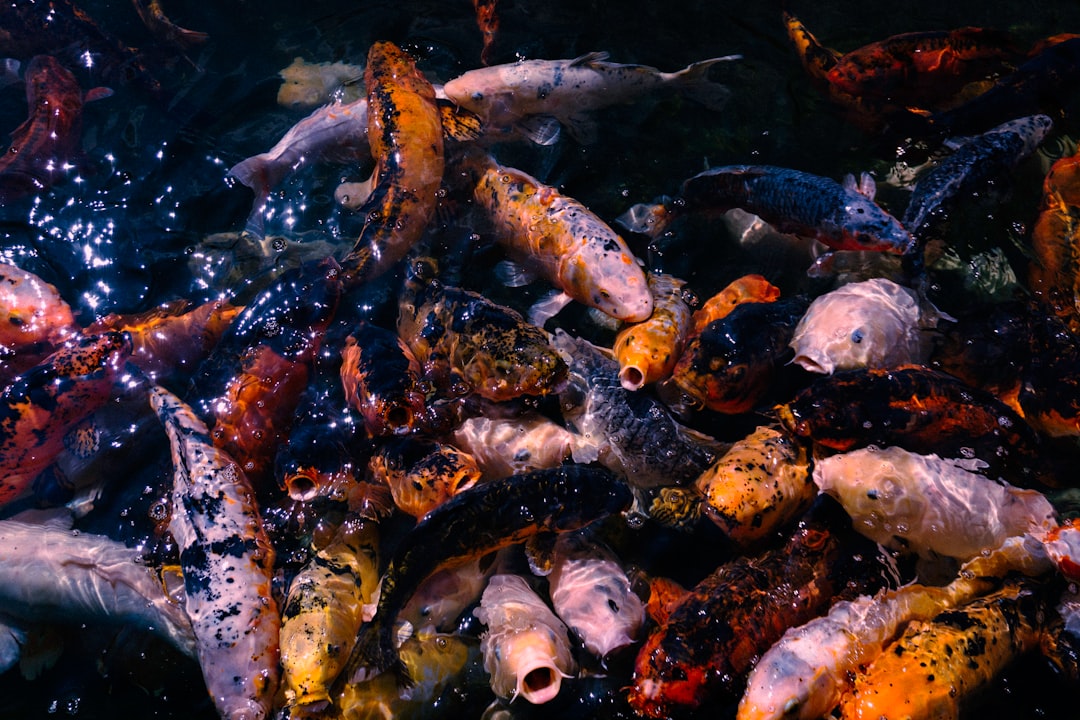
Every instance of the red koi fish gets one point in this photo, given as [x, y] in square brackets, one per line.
[40, 406]
[44, 145]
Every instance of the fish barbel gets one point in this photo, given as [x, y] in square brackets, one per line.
[405, 131]
[792, 201]
[486, 517]
[506, 95]
[563, 240]
[227, 561]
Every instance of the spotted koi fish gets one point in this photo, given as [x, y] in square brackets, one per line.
[714, 634]
[227, 562]
[422, 474]
[565, 242]
[937, 667]
[34, 320]
[381, 378]
[406, 135]
[323, 611]
[477, 521]
[791, 201]
[647, 351]
[467, 343]
[39, 407]
[1054, 273]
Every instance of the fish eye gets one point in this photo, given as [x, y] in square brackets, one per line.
[478, 96]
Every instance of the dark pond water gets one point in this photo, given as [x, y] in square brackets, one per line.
[128, 228]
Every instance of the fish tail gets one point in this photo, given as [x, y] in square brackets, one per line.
[697, 86]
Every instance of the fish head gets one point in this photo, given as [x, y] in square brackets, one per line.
[604, 275]
[865, 226]
[722, 373]
[664, 684]
[513, 363]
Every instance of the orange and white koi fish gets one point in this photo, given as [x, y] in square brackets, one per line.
[526, 647]
[803, 676]
[647, 351]
[40, 406]
[508, 96]
[565, 242]
[505, 446]
[406, 135]
[227, 561]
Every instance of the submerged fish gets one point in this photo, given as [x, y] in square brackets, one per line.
[526, 647]
[52, 573]
[507, 96]
[487, 517]
[227, 562]
[792, 201]
[307, 84]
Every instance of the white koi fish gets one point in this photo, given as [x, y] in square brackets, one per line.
[526, 648]
[509, 96]
[227, 561]
[50, 573]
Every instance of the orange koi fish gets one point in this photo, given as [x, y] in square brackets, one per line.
[43, 146]
[487, 19]
[1054, 273]
[406, 135]
[381, 378]
[34, 319]
[564, 241]
[173, 338]
[647, 351]
[748, 288]
[937, 667]
[40, 406]
[227, 562]
[422, 474]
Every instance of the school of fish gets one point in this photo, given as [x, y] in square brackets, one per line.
[492, 452]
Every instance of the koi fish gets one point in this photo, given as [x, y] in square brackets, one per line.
[647, 351]
[936, 667]
[323, 611]
[467, 343]
[928, 504]
[508, 96]
[758, 486]
[924, 68]
[791, 201]
[267, 353]
[564, 241]
[748, 288]
[970, 167]
[504, 446]
[170, 340]
[335, 132]
[439, 601]
[43, 146]
[631, 433]
[406, 135]
[164, 29]
[228, 563]
[422, 474]
[39, 407]
[1054, 272]
[875, 323]
[314, 84]
[919, 409]
[437, 661]
[735, 362]
[52, 573]
[713, 635]
[805, 673]
[486, 517]
[526, 647]
[381, 378]
[34, 320]
[487, 20]
[593, 595]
